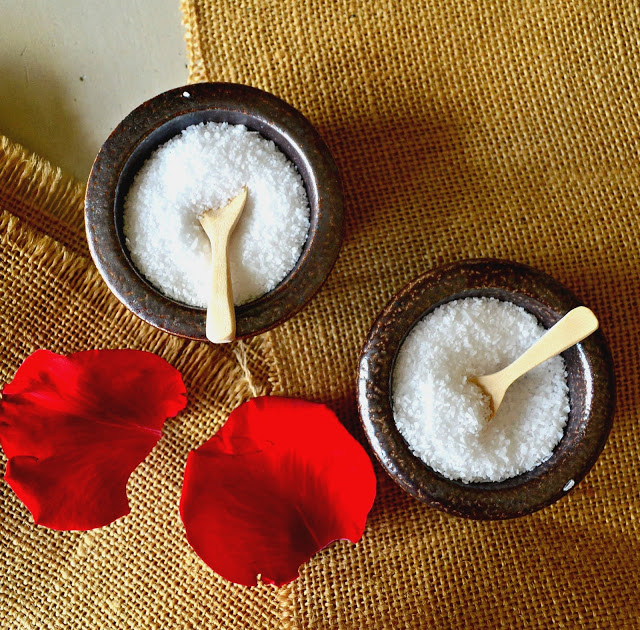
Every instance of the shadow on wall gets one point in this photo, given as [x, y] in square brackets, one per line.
[37, 112]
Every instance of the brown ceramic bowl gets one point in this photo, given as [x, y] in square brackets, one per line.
[590, 381]
[160, 119]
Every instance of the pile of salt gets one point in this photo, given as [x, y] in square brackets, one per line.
[204, 167]
[444, 417]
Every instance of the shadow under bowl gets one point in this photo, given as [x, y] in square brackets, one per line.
[590, 382]
[155, 122]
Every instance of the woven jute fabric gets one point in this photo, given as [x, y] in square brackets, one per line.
[461, 129]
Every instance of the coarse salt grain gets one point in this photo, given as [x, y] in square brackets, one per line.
[204, 167]
[444, 417]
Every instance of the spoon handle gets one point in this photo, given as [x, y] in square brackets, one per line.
[571, 329]
[221, 321]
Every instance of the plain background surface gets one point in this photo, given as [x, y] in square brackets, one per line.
[70, 70]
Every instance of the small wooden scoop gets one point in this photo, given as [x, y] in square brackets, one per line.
[571, 329]
[218, 224]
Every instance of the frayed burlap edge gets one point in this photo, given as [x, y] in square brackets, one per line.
[38, 184]
[190, 23]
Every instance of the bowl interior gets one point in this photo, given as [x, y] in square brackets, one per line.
[172, 128]
[578, 373]
[589, 376]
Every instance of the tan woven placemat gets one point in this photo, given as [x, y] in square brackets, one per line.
[462, 129]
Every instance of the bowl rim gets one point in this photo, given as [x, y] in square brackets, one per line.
[491, 500]
[299, 141]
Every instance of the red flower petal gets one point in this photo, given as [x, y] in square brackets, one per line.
[281, 480]
[74, 429]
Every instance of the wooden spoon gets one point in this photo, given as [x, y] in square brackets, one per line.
[572, 328]
[218, 224]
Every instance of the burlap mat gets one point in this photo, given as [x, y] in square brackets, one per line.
[462, 129]
[139, 572]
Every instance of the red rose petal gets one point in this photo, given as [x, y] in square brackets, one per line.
[279, 482]
[75, 427]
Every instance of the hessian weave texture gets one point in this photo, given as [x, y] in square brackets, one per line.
[461, 129]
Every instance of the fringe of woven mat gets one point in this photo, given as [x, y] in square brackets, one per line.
[190, 22]
[240, 353]
[36, 183]
[52, 257]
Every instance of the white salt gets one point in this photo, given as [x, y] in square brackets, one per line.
[444, 418]
[204, 167]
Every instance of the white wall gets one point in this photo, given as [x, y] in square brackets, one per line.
[70, 70]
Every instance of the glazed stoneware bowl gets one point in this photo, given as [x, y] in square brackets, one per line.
[165, 116]
[590, 381]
